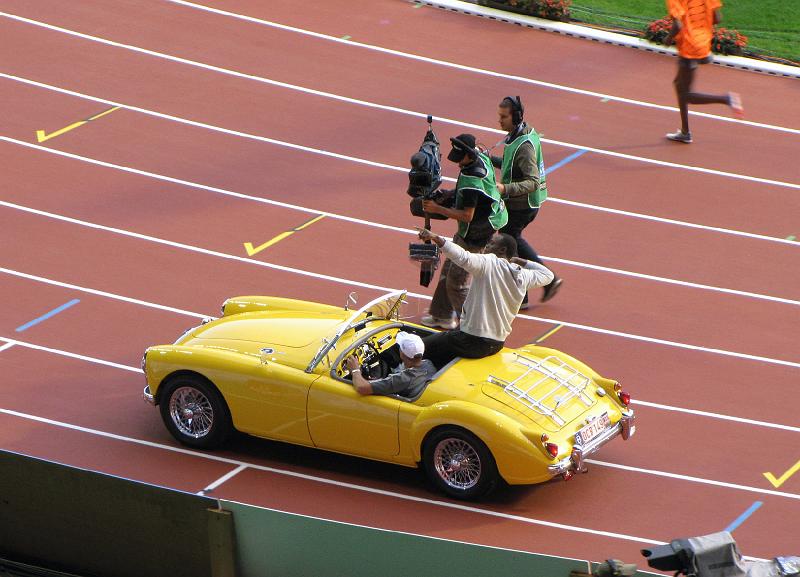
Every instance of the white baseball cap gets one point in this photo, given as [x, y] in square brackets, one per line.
[410, 345]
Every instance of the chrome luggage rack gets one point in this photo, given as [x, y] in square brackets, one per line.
[568, 381]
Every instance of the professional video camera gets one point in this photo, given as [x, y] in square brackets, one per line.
[715, 555]
[424, 180]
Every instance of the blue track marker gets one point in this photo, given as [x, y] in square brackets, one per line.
[46, 316]
[564, 161]
[743, 517]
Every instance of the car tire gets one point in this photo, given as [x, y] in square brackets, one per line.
[195, 412]
[475, 473]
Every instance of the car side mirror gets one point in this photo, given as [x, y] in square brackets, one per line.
[266, 354]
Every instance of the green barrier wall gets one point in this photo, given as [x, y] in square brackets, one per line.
[89, 523]
[273, 543]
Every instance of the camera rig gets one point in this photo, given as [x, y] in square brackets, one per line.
[424, 180]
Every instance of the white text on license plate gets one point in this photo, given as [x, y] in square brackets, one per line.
[593, 429]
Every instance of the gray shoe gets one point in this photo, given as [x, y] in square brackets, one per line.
[680, 136]
[435, 322]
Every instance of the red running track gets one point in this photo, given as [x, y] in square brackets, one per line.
[716, 464]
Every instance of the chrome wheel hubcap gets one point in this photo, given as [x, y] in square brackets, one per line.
[191, 412]
[457, 463]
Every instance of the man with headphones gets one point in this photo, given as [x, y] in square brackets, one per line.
[480, 212]
[523, 184]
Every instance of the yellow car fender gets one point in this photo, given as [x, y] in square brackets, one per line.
[517, 457]
[220, 366]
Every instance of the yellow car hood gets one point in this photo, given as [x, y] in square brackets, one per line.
[280, 328]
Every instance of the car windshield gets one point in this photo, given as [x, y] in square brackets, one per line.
[385, 307]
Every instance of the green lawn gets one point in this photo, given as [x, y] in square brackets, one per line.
[771, 26]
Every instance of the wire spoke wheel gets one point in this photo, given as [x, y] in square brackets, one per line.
[457, 463]
[191, 412]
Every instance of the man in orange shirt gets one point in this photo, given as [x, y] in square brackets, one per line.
[692, 31]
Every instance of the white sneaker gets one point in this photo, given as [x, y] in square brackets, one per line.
[435, 322]
[680, 136]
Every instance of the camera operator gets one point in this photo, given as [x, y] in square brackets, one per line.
[479, 211]
[523, 184]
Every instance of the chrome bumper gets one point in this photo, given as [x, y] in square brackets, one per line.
[626, 427]
[148, 397]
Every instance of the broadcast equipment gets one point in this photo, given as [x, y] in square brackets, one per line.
[715, 555]
[424, 180]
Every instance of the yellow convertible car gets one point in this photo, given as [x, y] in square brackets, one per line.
[275, 368]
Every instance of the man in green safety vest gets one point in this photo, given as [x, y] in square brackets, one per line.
[523, 183]
[480, 212]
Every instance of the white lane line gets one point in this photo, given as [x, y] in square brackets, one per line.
[742, 420]
[7, 346]
[666, 280]
[636, 401]
[11, 342]
[206, 187]
[226, 477]
[338, 156]
[688, 478]
[100, 293]
[692, 479]
[373, 105]
[578, 264]
[338, 280]
[323, 480]
[472, 69]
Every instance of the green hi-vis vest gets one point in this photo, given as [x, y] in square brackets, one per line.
[487, 185]
[536, 198]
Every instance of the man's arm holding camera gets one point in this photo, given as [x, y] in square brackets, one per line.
[469, 200]
[464, 214]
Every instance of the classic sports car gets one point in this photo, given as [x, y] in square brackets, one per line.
[275, 368]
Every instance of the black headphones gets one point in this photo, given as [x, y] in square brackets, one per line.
[463, 146]
[517, 110]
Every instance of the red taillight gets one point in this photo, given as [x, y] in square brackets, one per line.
[552, 449]
[624, 398]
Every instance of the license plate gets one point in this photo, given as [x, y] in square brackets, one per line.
[593, 429]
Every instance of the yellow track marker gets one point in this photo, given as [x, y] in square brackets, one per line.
[41, 135]
[251, 250]
[783, 478]
[547, 334]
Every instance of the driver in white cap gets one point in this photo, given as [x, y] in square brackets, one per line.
[408, 379]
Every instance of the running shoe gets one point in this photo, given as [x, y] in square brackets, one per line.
[735, 102]
[680, 136]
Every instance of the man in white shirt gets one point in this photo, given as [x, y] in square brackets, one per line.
[500, 282]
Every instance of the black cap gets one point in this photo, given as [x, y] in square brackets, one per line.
[462, 144]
